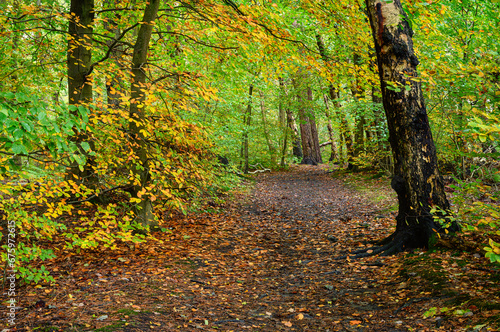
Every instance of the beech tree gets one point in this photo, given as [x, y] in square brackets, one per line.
[416, 180]
[308, 129]
[79, 60]
[138, 116]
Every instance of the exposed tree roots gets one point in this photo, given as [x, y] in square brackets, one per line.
[391, 245]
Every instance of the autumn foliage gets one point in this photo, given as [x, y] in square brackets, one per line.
[202, 58]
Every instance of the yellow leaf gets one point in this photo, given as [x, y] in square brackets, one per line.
[287, 323]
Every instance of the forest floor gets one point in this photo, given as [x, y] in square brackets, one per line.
[266, 261]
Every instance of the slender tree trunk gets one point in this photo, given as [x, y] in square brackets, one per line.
[79, 60]
[14, 41]
[282, 117]
[331, 135]
[137, 114]
[114, 87]
[267, 136]
[283, 148]
[296, 142]
[79, 51]
[357, 92]
[417, 181]
[359, 135]
[341, 148]
[345, 132]
[247, 120]
[383, 144]
[326, 59]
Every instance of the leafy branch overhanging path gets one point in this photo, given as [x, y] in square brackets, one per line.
[266, 263]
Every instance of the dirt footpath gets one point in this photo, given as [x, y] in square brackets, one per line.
[265, 263]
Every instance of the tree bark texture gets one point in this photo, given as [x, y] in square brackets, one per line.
[383, 145]
[345, 132]
[308, 130]
[137, 114]
[296, 146]
[416, 181]
[79, 60]
[79, 55]
[358, 92]
[282, 117]
[267, 135]
[247, 120]
[114, 83]
[326, 59]
[331, 135]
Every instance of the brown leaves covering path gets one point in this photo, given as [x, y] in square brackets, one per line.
[267, 263]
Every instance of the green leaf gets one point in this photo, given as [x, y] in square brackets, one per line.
[85, 146]
[18, 134]
[84, 114]
[26, 126]
[19, 149]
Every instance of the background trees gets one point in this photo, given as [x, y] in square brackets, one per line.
[242, 80]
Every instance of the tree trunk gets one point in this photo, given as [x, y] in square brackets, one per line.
[383, 144]
[144, 209]
[359, 134]
[79, 59]
[345, 132]
[326, 59]
[417, 181]
[247, 119]
[333, 153]
[359, 131]
[282, 117]
[114, 87]
[267, 136]
[296, 147]
[307, 123]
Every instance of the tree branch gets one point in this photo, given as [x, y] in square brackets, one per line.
[91, 197]
[197, 41]
[110, 49]
[265, 27]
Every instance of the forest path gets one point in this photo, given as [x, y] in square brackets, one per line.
[265, 263]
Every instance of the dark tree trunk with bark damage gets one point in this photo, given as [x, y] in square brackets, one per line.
[417, 181]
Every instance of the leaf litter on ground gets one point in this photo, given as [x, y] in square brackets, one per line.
[266, 262]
